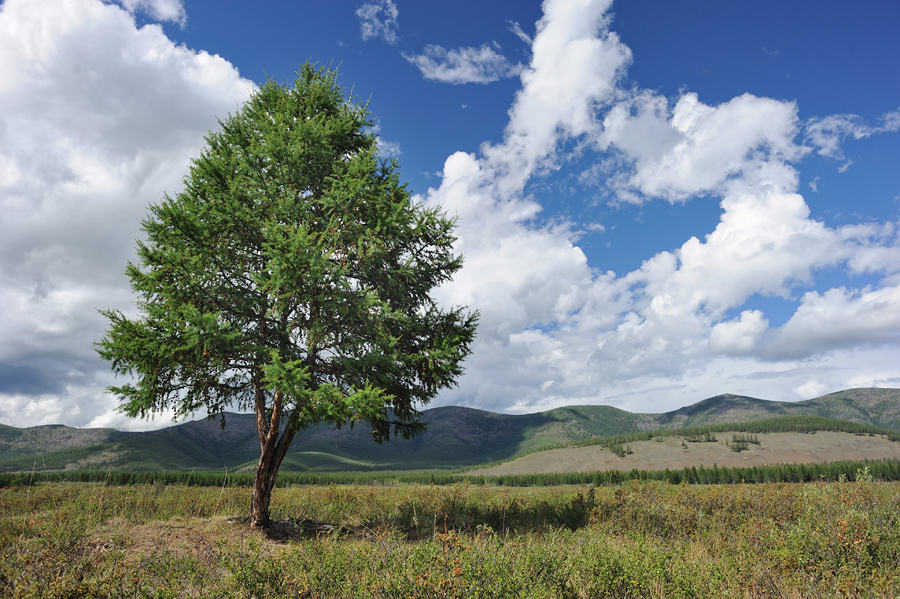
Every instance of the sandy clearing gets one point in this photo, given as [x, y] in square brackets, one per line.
[774, 448]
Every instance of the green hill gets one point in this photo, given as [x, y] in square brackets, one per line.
[456, 436]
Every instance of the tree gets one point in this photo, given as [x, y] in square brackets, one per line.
[291, 276]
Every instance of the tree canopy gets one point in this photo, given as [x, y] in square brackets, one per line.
[291, 276]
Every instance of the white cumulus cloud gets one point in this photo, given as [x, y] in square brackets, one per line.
[97, 119]
[738, 336]
[556, 330]
[161, 10]
[840, 318]
[696, 149]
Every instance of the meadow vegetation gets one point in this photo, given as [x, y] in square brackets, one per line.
[642, 538]
[706, 433]
[883, 470]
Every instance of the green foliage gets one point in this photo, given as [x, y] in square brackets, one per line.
[740, 442]
[885, 470]
[291, 276]
[746, 439]
[293, 267]
[706, 437]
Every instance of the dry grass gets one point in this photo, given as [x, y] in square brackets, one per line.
[774, 448]
[637, 540]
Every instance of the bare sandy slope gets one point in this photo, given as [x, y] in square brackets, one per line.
[774, 448]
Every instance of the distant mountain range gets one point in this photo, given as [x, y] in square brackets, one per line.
[456, 436]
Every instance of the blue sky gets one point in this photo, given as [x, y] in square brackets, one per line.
[658, 202]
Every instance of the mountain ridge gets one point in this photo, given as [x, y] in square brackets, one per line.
[457, 436]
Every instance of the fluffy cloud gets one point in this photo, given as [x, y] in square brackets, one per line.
[525, 278]
[696, 149]
[378, 19]
[738, 336]
[532, 274]
[556, 331]
[97, 119]
[160, 10]
[463, 65]
[839, 318]
[90, 133]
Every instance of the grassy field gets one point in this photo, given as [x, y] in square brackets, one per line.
[671, 452]
[635, 540]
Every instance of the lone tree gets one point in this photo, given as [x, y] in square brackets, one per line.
[291, 276]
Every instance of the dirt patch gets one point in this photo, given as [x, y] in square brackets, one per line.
[180, 536]
[290, 531]
[667, 452]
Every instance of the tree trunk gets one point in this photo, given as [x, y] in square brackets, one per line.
[264, 482]
[261, 497]
[272, 453]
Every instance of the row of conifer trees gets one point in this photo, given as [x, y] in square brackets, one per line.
[886, 470]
